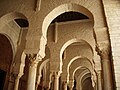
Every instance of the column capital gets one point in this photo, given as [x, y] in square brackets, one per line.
[33, 61]
[56, 74]
[103, 49]
[71, 83]
[18, 75]
[71, 86]
[64, 82]
[99, 71]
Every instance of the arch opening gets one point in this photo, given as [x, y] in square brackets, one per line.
[6, 56]
[64, 8]
[22, 22]
[68, 43]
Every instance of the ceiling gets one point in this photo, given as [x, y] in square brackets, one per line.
[70, 16]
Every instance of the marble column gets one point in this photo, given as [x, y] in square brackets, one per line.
[32, 72]
[65, 85]
[56, 80]
[104, 53]
[99, 80]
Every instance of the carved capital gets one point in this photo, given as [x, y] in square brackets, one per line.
[33, 61]
[99, 74]
[103, 50]
[71, 83]
[56, 74]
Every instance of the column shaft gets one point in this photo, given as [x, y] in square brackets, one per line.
[16, 83]
[64, 85]
[99, 81]
[107, 77]
[38, 81]
[104, 52]
[71, 84]
[56, 82]
[32, 76]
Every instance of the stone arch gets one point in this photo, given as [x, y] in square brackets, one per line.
[71, 42]
[61, 9]
[80, 67]
[85, 78]
[11, 16]
[6, 19]
[79, 70]
[40, 67]
[80, 78]
[53, 14]
[17, 37]
[11, 42]
[6, 57]
[87, 75]
[56, 12]
[83, 62]
[67, 62]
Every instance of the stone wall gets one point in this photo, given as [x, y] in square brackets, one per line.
[112, 13]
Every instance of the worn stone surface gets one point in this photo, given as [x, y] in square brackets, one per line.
[60, 43]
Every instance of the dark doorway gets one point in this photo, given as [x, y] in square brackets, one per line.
[2, 79]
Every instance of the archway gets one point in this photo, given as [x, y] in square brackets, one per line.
[62, 9]
[56, 12]
[48, 19]
[18, 21]
[6, 57]
[15, 26]
[86, 82]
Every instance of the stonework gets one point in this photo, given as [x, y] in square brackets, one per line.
[42, 50]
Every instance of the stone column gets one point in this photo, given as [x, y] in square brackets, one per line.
[99, 80]
[19, 70]
[38, 80]
[104, 52]
[65, 85]
[56, 80]
[17, 78]
[71, 84]
[47, 87]
[32, 72]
